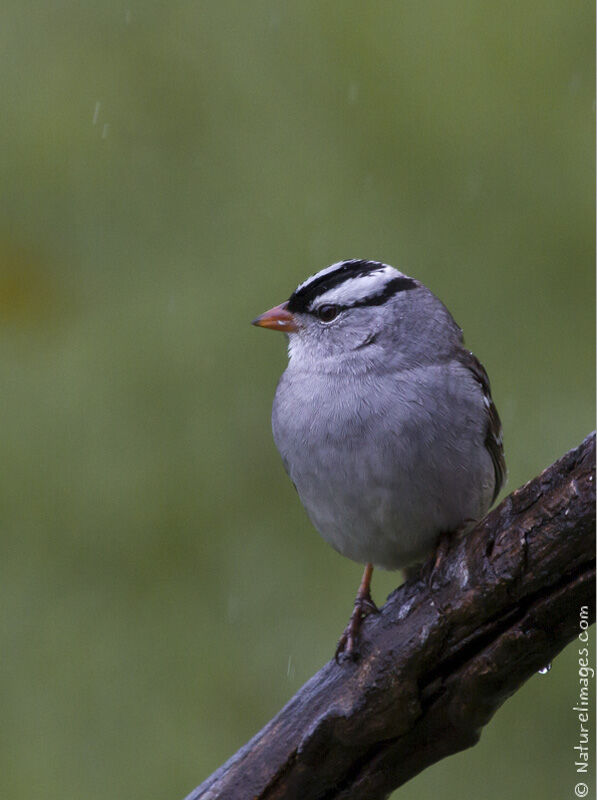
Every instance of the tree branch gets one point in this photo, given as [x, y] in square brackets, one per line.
[439, 659]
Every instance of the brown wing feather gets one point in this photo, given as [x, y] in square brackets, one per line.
[493, 435]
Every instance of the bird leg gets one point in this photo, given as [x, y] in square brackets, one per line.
[363, 605]
[441, 551]
[444, 542]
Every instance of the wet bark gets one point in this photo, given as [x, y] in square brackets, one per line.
[442, 656]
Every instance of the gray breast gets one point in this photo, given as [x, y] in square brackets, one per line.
[385, 461]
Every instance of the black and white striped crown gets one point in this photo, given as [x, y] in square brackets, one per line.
[349, 284]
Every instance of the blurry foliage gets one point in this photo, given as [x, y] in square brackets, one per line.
[169, 170]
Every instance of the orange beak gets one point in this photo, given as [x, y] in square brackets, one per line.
[278, 319]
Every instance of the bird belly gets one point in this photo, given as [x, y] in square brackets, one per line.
[380, 486]
[383, 521]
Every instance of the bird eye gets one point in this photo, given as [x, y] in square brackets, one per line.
[327, 312]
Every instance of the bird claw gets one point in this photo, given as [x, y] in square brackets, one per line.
[347, 647]
[442, 548]
[444, 542]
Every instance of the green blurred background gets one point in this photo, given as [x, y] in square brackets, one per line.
[169, 171]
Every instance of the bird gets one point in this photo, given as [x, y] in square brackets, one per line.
[384, 420]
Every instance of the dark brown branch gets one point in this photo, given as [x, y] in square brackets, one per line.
[440, 659]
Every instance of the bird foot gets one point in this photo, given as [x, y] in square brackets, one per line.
[347, 647]
[443, 546]
[444, 543]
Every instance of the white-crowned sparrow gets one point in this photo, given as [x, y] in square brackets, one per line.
[384, 420]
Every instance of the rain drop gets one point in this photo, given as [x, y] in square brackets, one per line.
[290, 669]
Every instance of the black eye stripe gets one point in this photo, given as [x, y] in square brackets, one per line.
[303, 299]
[392, 287]
[400, 284]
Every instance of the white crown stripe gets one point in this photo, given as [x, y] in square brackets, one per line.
[355, 290]
[350, 283]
